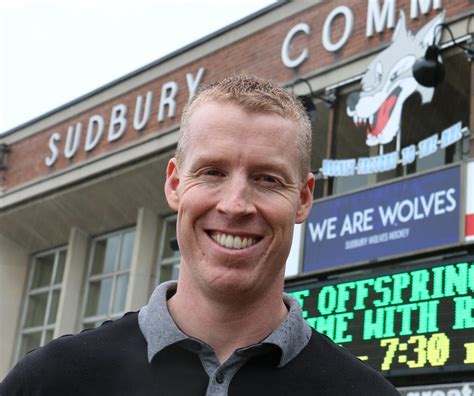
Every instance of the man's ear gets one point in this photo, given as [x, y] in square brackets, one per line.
[172, 183]
[306, 198]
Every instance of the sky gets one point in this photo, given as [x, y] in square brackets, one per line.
[53, 51]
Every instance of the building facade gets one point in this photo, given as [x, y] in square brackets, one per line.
[385, 263]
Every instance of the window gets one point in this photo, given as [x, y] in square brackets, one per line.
[449, 104]
[320, 130]
[348, 142]
[107, 280]
[169, 257]
[42, 300]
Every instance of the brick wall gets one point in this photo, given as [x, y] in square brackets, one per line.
[258, 53]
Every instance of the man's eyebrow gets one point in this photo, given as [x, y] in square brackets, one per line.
[213, 159]
[273, 164]
[264, 165]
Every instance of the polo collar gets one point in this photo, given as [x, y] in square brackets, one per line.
[160, 330]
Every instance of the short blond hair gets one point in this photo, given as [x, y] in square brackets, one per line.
[255, 95]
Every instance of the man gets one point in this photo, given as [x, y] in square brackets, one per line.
[239, 182]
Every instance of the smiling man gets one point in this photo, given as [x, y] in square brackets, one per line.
[238, 187]
[240, 181]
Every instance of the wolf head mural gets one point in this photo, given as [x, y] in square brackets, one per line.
[389, 81]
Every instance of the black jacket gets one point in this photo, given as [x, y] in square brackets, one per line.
[112, 360]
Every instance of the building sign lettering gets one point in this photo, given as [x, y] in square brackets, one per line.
[402, 320]
[378, 18]
[119, 119]
[462, 389]
[397, 218]
[385, 162]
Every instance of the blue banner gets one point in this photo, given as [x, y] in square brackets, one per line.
[397, 218]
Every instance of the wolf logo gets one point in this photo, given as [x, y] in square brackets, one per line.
[389, 81]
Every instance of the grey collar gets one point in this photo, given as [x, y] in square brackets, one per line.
[160, 330]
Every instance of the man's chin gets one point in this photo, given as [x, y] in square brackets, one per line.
[232, 286]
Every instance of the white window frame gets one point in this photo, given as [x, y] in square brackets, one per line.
[98, 319]
[45, 327]
[168, 261]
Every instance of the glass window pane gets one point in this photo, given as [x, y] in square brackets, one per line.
[48, 336]
[431, 161]
[320, 129]
[127, 250]
[36, 310]
[98, 259]
[349, 142]
[170, 234]
[29, 342]
[418, 121]
[110, 260]
[344, 184]
[120, 293]
[99, 297]
[449, 105]
[43, 270]
[165, 273]
[175, 272]
[60, 269]
[53, 309]
[105, 255]
[89, 325]
[92, 324]
[169, 272]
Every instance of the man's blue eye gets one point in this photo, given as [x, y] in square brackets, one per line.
[267, 179]
[213, 172]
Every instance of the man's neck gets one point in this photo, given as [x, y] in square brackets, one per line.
[226, 325]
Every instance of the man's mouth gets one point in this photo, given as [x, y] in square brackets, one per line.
[230, 241]
[380, 118]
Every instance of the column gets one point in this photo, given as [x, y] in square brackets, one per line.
[143, 258]
[70, 300]
[13, 275]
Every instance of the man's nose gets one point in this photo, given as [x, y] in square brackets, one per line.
[237, 198]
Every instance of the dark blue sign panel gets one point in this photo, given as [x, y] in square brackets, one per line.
[397, 218]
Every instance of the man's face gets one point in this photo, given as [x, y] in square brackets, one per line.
[238, 192]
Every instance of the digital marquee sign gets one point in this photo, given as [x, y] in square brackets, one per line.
[411, 320]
